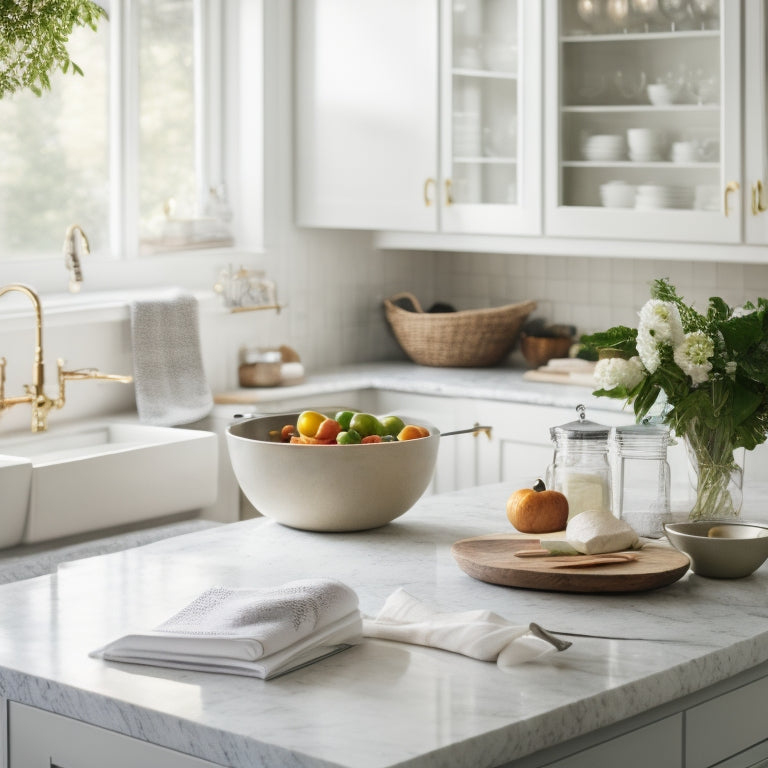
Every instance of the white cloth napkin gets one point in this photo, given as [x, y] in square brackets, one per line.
[170, 383]
[256, 632]
[480, 634]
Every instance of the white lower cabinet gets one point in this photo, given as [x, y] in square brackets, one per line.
[456, 457]
[522, 447]
[40, 739]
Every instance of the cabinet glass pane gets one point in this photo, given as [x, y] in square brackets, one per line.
[484, 95]
[640, 110]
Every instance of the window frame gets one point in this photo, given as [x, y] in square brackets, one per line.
[229, 131]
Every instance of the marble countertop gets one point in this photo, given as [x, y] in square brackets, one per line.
[379, 704]
[505, 383]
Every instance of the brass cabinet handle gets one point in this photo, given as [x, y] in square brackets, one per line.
[731, 186]
[758, 204]
[429, 186]
[448, 192]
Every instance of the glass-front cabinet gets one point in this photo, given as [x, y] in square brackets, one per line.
[491, 65]
[643, 119]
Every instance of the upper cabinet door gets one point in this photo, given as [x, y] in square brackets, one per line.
[755, 122]
[643, 119]
[366, 114]
[491, 116]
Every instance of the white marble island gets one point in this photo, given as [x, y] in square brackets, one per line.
[379, 704]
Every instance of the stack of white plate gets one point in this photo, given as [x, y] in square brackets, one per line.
[605, 148]
[661, 196]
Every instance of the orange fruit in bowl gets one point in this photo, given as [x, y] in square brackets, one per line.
[412, 432]
[328, 430]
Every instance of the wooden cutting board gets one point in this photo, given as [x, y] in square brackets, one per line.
[492, 559]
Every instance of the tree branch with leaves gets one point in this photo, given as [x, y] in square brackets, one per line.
[33, 40]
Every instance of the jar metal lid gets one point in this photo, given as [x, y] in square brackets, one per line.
[581, 429]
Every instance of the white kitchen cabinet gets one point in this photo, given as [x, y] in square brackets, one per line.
[755, 122]
[643, 123]
[419, 115]
[41, 739]
[366, 113]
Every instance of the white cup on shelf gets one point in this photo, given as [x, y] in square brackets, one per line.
[685, 152]
[661, 94]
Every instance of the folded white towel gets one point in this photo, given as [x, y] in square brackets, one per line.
[256, 632]
[480, 634]
[171, 387]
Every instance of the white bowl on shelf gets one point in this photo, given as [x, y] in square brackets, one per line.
[617, 194]
[661, 95]
[645, 140]
[605, 148]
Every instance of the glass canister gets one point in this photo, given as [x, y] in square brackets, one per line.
[642, 477]
[580, 469]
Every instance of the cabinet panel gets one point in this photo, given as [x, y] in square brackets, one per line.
[659, 745]
[521, 448]
[366, 113]
[40, 739]
[455, 467]
[755, 123]
[714, 733]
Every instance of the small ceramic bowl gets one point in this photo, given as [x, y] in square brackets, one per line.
[660, 94]
[721, 549]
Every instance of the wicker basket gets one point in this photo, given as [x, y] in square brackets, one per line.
[539, 350]
[471, 338]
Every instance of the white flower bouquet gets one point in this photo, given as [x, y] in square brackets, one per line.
[712, 372]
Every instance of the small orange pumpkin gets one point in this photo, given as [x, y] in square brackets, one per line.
[537, 510]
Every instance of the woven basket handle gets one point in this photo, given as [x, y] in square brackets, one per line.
[409, 296]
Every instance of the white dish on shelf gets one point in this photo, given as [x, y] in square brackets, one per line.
[617, 194]
[661, 94]
[642, 140]
[605, 147]
[663, 196]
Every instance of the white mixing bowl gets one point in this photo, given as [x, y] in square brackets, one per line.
[329, 487]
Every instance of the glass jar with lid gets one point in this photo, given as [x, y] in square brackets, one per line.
[580, 469]
[642, 477]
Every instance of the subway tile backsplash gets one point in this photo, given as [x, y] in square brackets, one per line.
[591, 293]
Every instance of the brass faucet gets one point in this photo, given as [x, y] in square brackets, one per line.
[71, 257]
[35, 392]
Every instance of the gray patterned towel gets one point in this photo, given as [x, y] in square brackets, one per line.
[171, 387]
[257, 632]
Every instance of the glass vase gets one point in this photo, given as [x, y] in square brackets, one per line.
[717, 472]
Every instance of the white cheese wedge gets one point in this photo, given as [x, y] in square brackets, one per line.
[596, 531]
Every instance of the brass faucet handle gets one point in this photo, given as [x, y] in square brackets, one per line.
[80, 374]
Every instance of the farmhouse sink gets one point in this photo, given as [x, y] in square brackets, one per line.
[15, 482]
[102, 475]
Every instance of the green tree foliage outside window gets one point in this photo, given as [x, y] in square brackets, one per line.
[33, 40]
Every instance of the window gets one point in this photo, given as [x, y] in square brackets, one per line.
[131, 151]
